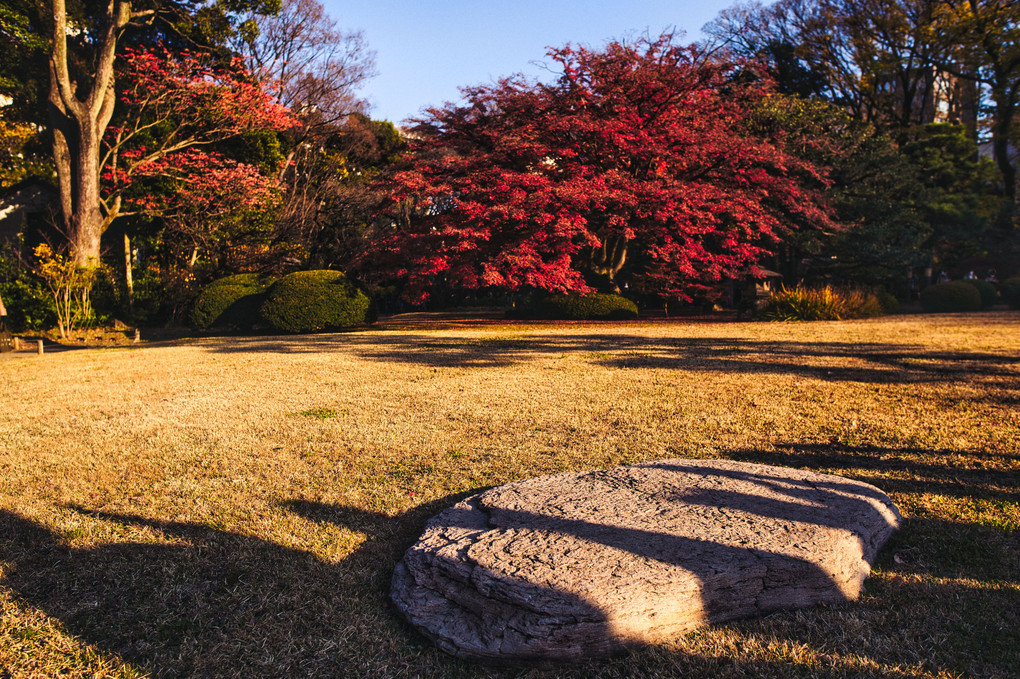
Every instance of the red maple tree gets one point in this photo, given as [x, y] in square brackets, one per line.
[174, 105]
[207, 202]
[637, 163]
[160, 160]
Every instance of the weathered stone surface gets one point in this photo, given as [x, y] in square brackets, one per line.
[572, 566]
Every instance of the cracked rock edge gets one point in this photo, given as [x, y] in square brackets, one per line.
[561, 568]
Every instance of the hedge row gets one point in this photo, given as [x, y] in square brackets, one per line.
[601, 307]
[969, 295]
[304, 301]
[1011, 292]
[317, 301]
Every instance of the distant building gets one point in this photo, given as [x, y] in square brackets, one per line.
[953, 100]
[939, 97]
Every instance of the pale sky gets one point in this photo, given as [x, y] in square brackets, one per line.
[426, 50]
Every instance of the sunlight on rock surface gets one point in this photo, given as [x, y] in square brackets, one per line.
[570, 566]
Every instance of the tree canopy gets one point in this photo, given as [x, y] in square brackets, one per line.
[636, 165]
[898, 65]
[225, 136]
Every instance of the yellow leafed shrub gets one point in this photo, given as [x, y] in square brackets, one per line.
[821, 304]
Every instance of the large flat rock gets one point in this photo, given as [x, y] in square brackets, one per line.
[571, 566]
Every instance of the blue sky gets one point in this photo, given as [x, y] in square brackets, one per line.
[426, 50]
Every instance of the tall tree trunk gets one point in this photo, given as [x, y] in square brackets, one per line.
[84, 223]
[79, 117]
[1001, 152]
[994, 30]
[129, 280]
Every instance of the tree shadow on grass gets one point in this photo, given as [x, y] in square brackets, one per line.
[205, 602]
[197, 601]
[953, 473]
[874, 362]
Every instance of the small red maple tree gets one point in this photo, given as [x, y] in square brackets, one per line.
[207, 202]
[638, 161]
[172, 107]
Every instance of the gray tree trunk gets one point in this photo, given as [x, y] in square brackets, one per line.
[79, 119]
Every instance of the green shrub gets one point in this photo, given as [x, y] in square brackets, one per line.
[105, 297]
[950, 297]
[150, 294]
[989, 295]
[577, 308]
[1011, 292]
[29, 305]
[231, 302]
[314, 301]
[821, 304]
[887, 301]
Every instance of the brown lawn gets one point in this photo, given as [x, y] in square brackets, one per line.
[234, 507]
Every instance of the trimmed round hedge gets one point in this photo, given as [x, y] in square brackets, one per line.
[231, 302]
[315, 301]
[989, 295]
[599, 307]
[1011, 292]
[951, 297]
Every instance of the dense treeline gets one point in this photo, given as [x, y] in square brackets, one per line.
[175, 145]
[940, 80]
[868, 143]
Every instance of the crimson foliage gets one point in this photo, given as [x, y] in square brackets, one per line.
[173, 106]
[637, 164]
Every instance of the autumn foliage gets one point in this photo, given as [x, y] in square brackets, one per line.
[216, 100]
[175, 105]
[637, 165]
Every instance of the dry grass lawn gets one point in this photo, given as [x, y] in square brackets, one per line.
[234, 507]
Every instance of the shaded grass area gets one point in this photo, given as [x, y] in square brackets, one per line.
[236, 507]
